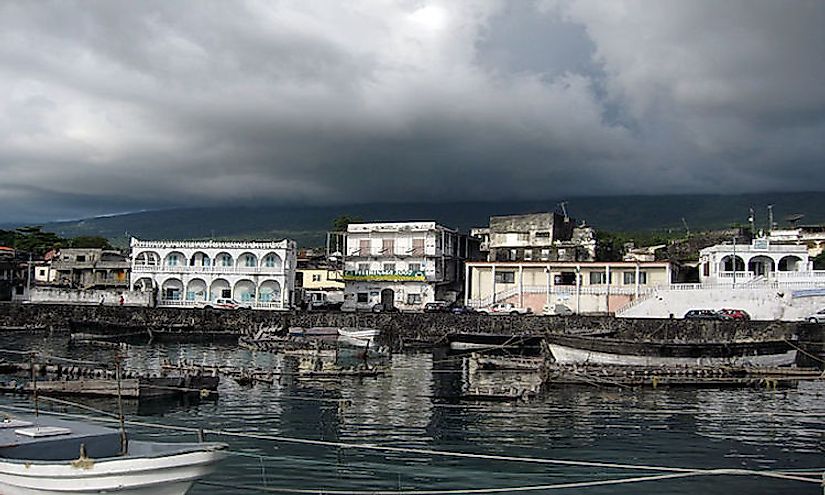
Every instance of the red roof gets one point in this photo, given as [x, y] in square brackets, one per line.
[4, 248]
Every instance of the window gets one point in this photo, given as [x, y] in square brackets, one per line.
[542, 235]
[418, 247]
[363, 297]
[316, 277]
[528, 254]
[364, 247]
[388, 246]
[173, 294]
[598, 278]
[630, 278]
[389, 267]
[545, 254]
[227, 293]
[363, 267]
[413, 298]
[173, 260]
[81, 257]
[415, 267]
[249, 261]
[505, 277]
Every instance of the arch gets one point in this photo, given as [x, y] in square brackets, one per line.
[172, 289]
[199, 258]
[147, 258]
[174, 258]
[269, 291]
[272, 260]
[224, 259]
[247, 260]
[761, 265]
[244, 290]
[144, 284]
[196, 290]
[790, 263]
[219, 288]
[727, 264]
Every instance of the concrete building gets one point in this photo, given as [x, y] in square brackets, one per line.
[536, 237]
[810, 236]
[186, 273]
[7, 272]
[87, 268]
[759, 259]
[402, 265]
[582, 287]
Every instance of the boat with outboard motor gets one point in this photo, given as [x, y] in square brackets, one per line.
[43, 455]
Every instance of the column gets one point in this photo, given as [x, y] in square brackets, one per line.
[578, 289]
[520, 286]
[637, 280]
[549, 282]
[493, 296]
[466, 284]
[607, 290]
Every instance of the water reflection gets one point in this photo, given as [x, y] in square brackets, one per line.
[422, 403]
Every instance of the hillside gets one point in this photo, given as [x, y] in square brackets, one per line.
[308, 224]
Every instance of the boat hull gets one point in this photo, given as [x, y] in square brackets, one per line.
[161, 475]
[572, 355]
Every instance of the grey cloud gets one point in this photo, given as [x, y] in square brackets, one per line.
[116, 105]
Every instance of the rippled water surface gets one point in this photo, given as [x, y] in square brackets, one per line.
[416, 405]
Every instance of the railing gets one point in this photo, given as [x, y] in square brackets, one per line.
[284, 244]
[378, 275]
[185, 303]
[274, 270]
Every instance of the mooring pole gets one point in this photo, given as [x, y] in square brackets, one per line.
[124, 442]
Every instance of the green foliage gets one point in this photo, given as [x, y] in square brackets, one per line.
[33, 239]
[339, 224]
[819, 261]
[610, 246]
[90, 241]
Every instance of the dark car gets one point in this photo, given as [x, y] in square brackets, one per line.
[735, 314]
[705, 314]
[462, 310]
[437, 307]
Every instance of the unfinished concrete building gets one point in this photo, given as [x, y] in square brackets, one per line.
[536, 237]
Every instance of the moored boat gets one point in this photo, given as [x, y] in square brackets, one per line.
[47, 456]
[568, 349]
[359, 337]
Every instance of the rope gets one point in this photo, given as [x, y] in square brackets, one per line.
[803, 351]
[444, 453]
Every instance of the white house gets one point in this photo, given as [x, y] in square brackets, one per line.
[261, 273]
[726, 263]
[403, 265]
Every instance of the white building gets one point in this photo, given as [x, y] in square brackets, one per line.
[403, 265]
[261, 273]
[759, 260]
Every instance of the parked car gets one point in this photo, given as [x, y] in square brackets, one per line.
[818, 317]
[437, 307]
[505, 309]
[706, 314]
[459, 309]
[556, 309]
[735, 314]
[223, 303]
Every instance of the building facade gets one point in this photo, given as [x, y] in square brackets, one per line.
[402, 265]
[581, 287]
[536, 237]
[85, 268]
[187, 273]
[758, 260]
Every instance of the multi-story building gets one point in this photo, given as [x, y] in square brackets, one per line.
[812, 236]
[86, 268]
[402, 265]
[188, 273]
[7, 270]
[758, 260]
[536, 237]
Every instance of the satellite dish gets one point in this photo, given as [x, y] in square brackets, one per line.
[793, 218]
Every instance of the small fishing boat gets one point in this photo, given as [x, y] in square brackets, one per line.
[569, 349]
[48, 456]
[358, 337]
[488, 342]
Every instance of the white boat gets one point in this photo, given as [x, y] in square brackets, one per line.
[359, 337]
[47, 456]
[567, 349]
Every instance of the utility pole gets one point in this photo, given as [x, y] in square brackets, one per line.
[770, 219]
[29, 278]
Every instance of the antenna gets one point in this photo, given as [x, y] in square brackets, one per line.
[563, 206]
[687, 229]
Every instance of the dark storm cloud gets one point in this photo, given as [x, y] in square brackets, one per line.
[109, 106]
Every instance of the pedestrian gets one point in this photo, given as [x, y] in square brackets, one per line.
[121, 300]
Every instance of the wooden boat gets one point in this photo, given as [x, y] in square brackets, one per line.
[356, 336]
[47, 456]
[488, 342]
[569, 349]
[313, 332]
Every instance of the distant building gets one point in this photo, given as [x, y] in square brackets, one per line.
[810, 236]
[7, 271]
[189, 273]
[536, 237]
[402, 265]
[581, 287]
[759, 259]
[85, 268]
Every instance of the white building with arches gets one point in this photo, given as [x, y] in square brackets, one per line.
[188, 273]
[757, 261]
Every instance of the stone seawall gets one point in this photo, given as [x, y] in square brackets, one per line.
[202, 325]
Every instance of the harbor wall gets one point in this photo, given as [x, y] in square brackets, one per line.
[107, 297]
[397, 329]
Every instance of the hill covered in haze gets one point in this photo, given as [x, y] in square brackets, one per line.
[308, 224]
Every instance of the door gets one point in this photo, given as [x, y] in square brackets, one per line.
[388, 298]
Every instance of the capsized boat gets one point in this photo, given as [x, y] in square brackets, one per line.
[49, 456]
[570, 349]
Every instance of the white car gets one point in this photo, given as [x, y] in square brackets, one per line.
[223, 303]
[505, 309]
[818, 317]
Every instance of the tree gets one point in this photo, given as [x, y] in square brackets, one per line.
[33, 240]
[90, 241]
[819, 261]
[340, 223]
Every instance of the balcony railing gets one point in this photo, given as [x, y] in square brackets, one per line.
[370, 275]
[184, 303]
[271, 270]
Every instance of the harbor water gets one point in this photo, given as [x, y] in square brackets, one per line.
[417, 405]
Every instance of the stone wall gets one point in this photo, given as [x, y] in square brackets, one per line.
[109, 297]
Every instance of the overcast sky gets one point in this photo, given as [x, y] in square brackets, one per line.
[114, 106]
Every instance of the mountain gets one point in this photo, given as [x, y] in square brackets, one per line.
[308, 225]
